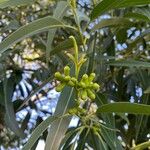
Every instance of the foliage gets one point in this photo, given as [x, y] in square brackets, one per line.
[96, 53]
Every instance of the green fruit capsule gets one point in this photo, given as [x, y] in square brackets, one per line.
[95, 86]
[84, 94]
[92, 77]
[58, 76]
[60, 87]
[67, 78]
[70, 83]
[90, 94]
[67, 71]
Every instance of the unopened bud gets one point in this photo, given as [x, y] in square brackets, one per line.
[91, 77]
[90, 94]
[58, 76]
[95, 86]
[60, 87]
[84, 95]
[67, 78]
[70, 83]
[67, 71]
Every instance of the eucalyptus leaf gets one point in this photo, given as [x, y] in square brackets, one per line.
[13, 3]
[10, 117]
[30, 29]
[124, 107]
[107, 5]
[59, 127]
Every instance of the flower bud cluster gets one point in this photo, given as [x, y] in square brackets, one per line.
[86, 87]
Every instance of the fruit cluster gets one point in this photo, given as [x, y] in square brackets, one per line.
[85, 87]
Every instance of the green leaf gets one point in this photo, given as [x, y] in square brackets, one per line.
[147, 91]
[108, 135]
[59, 127]
[58, 14]
[38, 131]
[97, 141]
[106, 5]
[13, 3]
[113, 22]
[10, 117]
[137, 16]
[91, 49]
[30, 29]
[125, 107]
[129, 63]
[69, 137]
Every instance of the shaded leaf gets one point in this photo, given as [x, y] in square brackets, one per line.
[125, 107]
[13, 3]
[113, 22]
[106, 5]
[10, 117]
[32, 28]
[129, 63]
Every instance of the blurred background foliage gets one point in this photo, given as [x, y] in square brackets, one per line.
[118, 51]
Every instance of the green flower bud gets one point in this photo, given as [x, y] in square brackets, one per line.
[85, 77]
[67, 71]
[74, 80]
[67, 78]
[95, 86]
[60, 87]
[58, 76]
[84, 94]
[82, 84]
[90, 94]
[92, 77]
[70, 83]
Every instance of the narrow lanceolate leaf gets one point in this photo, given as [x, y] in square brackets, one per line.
[38, 131]
[106, 5]
[130, 63]
[60, 126]
[12, 3]
[30, 29]
[58, 14]
[113, 22]
[137, 16]
[125, 107]
[10, 117]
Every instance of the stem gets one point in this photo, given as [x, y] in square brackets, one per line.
[141, 146]
[78, 27]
